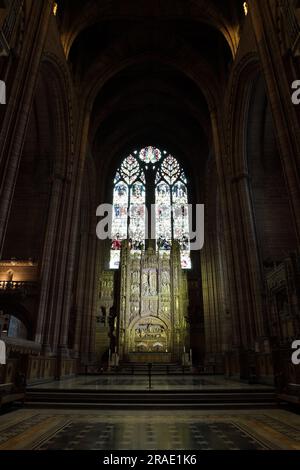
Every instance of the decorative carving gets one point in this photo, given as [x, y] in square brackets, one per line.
[107, 289]
[150, 337]
[153, 300]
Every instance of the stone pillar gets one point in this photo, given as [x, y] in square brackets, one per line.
[251, 280]
[88, 327]
[69, 246]
[87, 296]
[57, 274]
[80, 291]
[231, 273]
[242, 257]
[211, 307]
[43, 323]
[94, 294]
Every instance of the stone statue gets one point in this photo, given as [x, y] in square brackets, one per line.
[153, 290]
[146, 283]
[135, 290]
[165, 277]
[135, 277]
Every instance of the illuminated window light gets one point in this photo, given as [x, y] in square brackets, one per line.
[55, 8]
[246, 8]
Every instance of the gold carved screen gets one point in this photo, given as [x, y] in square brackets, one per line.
[153, 306]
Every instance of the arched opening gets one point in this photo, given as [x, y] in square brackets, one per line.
[272, 213]
[12, 327]
[15, 319]
[42, 160]
[29, 211]
[275, 231]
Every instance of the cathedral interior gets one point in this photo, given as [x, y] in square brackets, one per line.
[149, 224]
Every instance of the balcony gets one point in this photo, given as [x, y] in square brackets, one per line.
[22, 289]
[18, 278]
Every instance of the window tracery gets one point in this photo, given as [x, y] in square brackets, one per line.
[129, 204]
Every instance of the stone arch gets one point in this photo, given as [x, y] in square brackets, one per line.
[184, 60]
[33, 226]
[119, 57]
[272, 211]
[15, 307]
[62, 98]
[152, 320]
[45, 152]
[255, 155]
[239, 101]
[245, 266]
[199, 10]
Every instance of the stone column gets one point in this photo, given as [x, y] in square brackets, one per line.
[68, 251]
[94, 293]
[211, 307]
[231, 272]
[249, 262]
[80, 291]
[88, 307]
[242, 258]
[48, 259]
[57, 274]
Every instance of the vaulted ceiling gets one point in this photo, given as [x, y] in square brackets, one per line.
[150, 70]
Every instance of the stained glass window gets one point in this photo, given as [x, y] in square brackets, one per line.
[137, 224]
[150, 155]
[171, 197]
[129, 204]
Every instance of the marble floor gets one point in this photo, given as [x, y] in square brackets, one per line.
[159, 430]
[136, 382]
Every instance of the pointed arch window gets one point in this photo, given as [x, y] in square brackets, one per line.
[132, 185]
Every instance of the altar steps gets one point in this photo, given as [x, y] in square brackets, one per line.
[145, 400]
[156, 369]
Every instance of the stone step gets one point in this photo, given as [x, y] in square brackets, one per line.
[156, 369]
[153, 406]
[152, 398]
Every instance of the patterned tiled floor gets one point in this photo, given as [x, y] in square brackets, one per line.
[107, 430]
[202, 436]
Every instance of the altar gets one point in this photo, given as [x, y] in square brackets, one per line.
[152, 321]
[150, 357]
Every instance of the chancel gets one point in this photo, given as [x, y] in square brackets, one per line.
[149, 225]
